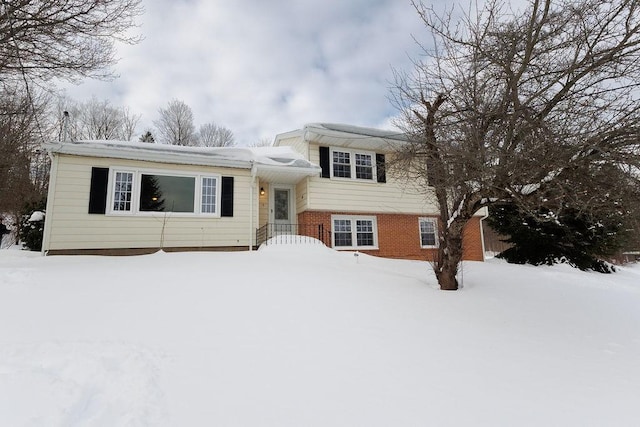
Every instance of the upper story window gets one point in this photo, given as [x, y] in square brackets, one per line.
[355, 164]
[352, 164]
[364, 166]
[341, 164]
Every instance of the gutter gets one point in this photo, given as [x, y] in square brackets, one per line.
[129, 153]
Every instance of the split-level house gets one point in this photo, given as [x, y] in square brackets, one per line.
[328, 182]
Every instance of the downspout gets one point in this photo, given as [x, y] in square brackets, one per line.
[483, 217]
[53, 173]
[251, 200]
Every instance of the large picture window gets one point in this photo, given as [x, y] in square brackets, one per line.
[146, 192]
[165, 193]
[354, 232]
[428, 232]
[353, 164]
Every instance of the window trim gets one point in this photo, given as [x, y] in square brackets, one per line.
[354, 231]
[136, 188]
[111, 192]
[434, 221]
[352, 164]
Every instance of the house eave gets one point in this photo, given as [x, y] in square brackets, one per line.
[352, 137]
[288, 175]
[141, 153]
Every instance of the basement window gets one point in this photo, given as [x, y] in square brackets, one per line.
[428, 232]
[354, 232]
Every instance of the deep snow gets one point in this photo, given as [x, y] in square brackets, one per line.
[300, 335]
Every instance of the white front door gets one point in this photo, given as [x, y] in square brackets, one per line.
[281, 212]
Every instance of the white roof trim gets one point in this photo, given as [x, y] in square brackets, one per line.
[283, 160]
[341, 135]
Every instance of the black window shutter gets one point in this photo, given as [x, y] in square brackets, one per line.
[98, 190]
[381, 168]
[226, 199]
[324, 162]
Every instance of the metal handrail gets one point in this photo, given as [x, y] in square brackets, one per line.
[272, 233]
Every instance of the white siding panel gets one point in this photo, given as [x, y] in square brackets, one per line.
[356, 196]
[73, 228]
[390, 197]
[297, 144]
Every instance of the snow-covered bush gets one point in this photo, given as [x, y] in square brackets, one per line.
[32, 225]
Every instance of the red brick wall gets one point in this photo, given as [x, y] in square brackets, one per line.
[399, 236]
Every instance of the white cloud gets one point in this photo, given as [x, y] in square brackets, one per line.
[260, 68]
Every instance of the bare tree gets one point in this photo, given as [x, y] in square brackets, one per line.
[516, 105]
[93, 119]
[175, 125]
[129, 123]
[212, 135]
[23, 166]
[100, 120]
[68, 39]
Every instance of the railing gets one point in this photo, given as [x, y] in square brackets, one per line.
[273, 234]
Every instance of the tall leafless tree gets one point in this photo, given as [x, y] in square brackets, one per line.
[175, 125]
[23, 167]
[512, 105]
[66, 39]
[93, 119]
[212, 135]
[129, 123]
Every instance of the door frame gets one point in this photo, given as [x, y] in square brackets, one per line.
[292, 201]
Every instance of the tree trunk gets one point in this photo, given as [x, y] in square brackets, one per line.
[449, 256]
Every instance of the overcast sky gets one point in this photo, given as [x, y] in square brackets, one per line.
[264, 67]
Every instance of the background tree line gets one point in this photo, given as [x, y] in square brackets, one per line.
[44, 41]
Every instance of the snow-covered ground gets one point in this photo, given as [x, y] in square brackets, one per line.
[300, 335]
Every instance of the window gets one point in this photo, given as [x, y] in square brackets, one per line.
[342, 232]
[142, 192]
[209, 195]
[354, 232]
[353, 164]
[364, 166]
[428, 234]
[341, 164]
[165, 193]
[122, 191]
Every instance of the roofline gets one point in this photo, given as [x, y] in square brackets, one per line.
[136, 152]
[325, 129]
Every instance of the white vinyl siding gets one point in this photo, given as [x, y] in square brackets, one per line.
[354, 232]
[352, 195]
[73, 228]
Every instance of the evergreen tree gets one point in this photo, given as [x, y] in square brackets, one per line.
[147, 137]
[542, 237]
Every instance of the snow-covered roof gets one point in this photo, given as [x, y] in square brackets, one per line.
[284, 161]
[352, 136]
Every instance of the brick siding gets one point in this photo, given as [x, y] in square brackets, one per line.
[399, 235]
